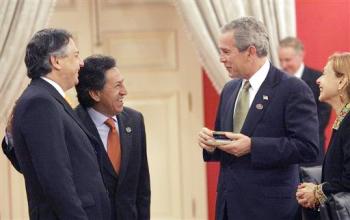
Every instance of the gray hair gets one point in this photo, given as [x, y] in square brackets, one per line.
[292, 42]
[248, 31]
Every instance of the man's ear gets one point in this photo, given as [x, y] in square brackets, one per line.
[251, 51]
[95, 95]
[55, 62]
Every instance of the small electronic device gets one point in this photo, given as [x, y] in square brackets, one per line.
[220, 138]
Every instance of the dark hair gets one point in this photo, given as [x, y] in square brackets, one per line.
[45, 43]
[92, 77]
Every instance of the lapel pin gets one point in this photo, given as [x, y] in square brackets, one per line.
[128, 130]
[259, 106]
[265, 97]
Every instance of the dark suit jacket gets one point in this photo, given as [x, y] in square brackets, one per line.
[284, 132]
[323, 109]
[130, 190]
[57, 158]
[336, 165]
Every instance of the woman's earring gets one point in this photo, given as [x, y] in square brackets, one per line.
[340, 95]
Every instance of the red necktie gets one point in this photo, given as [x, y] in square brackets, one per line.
[113, 144]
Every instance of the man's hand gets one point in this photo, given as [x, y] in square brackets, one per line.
[205, 138]
[239, 146]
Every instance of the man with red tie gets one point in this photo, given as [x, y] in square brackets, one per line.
[121, 134]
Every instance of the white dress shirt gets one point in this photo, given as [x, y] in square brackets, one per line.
[55, 85]
[255, 82]
[99, 121]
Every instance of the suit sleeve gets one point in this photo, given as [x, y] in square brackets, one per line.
[9, 151]
[144, 188]
[43, 130]
[300, 142]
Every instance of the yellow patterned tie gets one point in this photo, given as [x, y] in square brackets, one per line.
[68, 100]
[242, 107]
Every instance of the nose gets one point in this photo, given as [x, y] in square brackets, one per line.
[318, 80]
[124, 91]
[222, 59]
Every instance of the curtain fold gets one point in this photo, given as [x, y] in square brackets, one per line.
[19, 19]
[203, 19]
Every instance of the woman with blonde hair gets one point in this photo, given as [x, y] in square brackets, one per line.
[335, 90]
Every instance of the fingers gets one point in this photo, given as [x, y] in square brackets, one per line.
[233, 136]
[205, 136]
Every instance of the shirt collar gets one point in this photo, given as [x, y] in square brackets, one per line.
[258, 78]
[97, 117]
[299, 72]
[55, 85]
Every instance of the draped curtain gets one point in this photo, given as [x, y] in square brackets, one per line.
[19, 19]
[203, 19]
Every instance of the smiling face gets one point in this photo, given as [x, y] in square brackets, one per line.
[110, 99]
[69, 66]
[329, 85]
[290, 59]
[230, 56]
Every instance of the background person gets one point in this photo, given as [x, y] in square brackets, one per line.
[291, 56]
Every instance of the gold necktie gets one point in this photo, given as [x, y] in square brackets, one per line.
[113, 144]
[242, 107]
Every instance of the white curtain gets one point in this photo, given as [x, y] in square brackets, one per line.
[19, 19]
[203, 19]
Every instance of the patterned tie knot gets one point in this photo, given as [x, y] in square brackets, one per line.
[110, 123]
[246, 85]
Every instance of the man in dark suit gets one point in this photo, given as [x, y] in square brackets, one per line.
[274, 122]
[58, 157]
[101, 93]
[291, 56]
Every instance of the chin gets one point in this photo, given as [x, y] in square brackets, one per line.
[321, 99]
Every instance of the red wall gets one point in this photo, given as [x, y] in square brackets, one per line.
[324, 27]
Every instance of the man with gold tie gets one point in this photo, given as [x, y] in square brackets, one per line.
[52, 148]
[120, 134]
[270, 121]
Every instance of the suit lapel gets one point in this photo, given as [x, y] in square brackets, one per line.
[67, 108]
[89, 124]
[261, 102]
[125, 133]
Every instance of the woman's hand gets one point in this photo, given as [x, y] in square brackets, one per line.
[306, 195]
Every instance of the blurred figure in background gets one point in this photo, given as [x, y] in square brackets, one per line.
[291, 56]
